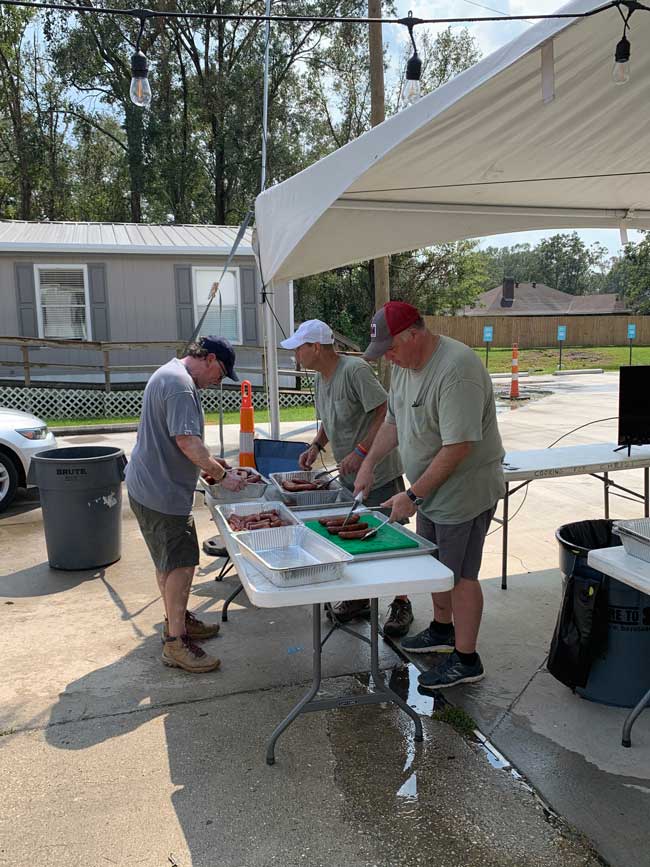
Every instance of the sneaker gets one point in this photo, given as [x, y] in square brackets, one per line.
[400, 617]
[196, 630]
[431, 640]
[183, 653]
[451, 672]
[351, 609]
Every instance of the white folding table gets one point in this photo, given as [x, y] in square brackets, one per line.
[370, 579]
[597, 460]
[635, 573]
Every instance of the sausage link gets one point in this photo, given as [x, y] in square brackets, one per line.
[352, 534]
[335, 531]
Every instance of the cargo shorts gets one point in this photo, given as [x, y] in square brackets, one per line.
[460, 546]
[171, 539]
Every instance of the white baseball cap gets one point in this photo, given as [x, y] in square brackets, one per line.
[311, 331]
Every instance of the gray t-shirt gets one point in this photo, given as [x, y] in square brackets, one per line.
[158, 475]
[346, 404]
[450, 400]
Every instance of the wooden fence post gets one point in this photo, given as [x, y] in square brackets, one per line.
[107, 369]
[26, 367]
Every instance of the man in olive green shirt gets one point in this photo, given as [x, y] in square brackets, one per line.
[352, 404]
[441, 412]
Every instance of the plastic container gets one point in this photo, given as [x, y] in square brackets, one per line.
[81, 498]
[619, 673]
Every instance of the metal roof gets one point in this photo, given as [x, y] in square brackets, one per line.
[17, 236]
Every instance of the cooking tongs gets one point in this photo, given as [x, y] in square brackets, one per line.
[358, 500]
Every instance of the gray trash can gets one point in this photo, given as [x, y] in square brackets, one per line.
[619, 671]
[81, 497]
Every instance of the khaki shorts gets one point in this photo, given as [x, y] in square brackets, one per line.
[171, 539]
[460, 546]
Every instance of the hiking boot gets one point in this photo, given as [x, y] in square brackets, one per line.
[183, 653]
[400, 617]
[451, 672]
[431, 640]
[196, 630]
[351, 609]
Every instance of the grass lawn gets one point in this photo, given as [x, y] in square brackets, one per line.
[546, 360]
[293, 413]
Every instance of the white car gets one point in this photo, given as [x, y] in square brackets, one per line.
[22, 435]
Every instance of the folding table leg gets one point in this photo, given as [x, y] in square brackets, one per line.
[378, 677]
[504, 540]
[224, 610]
[316, 659]
[626, 740]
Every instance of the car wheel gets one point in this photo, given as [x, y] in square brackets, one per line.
[8, 481]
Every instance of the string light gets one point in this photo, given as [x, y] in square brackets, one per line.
[140, 90]
[621, 68]
[412, 91]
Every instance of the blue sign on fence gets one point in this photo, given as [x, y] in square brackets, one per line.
[631, 331]
[488, 333]
[561, 333]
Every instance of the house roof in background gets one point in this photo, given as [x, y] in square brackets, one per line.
[18, 236]
[537, 299]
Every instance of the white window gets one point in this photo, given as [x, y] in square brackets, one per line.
[224, 322]
[62, 304]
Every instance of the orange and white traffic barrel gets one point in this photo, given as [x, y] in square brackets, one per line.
[514, 380]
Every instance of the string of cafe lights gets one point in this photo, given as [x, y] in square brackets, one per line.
[140, 90]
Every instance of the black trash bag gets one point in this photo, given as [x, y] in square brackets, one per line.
[581, 630]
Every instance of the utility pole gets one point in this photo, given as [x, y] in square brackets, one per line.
[377, 115]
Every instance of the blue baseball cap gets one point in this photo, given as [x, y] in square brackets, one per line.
[222, 348]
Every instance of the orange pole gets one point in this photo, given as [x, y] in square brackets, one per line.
[246, 426]
[514, 381]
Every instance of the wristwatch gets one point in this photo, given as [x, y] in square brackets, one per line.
[318, 446]
[414, 497]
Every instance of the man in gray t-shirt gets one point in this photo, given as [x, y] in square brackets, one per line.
[441, 412]
[161, 478]
[351, 403]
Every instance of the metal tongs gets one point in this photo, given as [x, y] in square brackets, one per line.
[376, 529]
[358, 500]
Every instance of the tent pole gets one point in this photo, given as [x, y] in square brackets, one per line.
[272, 365]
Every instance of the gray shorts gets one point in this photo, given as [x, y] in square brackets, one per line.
[171, 539]
[460, 546]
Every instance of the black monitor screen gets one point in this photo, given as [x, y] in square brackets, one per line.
[634, 406]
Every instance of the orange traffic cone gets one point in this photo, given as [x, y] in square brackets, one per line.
[514, 381]
[246, 426]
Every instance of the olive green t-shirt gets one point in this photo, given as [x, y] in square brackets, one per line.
[450, 400]
[346, 404]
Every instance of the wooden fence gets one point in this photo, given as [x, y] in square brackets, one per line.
[541, 331]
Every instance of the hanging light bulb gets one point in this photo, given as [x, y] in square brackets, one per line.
[140, 90]
[621, 68]
[412, 91]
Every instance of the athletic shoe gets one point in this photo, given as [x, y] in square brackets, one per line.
[431, 640]
[400, 617]
[450, 673]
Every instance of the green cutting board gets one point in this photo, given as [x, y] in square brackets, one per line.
[387, 539]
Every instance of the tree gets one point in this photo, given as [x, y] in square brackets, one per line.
[565, 263]
[630, 276]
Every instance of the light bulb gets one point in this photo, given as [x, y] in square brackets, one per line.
[140, 90]
[621, 68]
[411, 91]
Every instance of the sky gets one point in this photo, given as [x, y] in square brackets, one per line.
[490, 36]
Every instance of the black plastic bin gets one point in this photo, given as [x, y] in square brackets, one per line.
[620, 622]
[81, 498]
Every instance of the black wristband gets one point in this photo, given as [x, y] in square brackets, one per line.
[318, 446]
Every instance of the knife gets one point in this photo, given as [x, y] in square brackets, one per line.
[358, 500]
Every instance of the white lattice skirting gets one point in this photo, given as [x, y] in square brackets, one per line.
[63, 403]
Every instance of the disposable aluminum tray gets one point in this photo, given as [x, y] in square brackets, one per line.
[292, 556]
[308, 498]
[242, 509]
[424, 545]
[250, 492]
[635, 536]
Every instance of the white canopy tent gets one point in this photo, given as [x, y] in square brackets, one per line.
[535, 136]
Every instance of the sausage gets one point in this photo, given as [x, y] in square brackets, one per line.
[352, 534]
[297, 486]
[272, 514]
[260, 525]
[333, 531]
[333, 522]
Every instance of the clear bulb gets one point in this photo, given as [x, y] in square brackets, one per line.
[621, 72]
[140, 91]
[411, 91]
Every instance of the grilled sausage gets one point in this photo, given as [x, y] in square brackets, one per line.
[335, 521]
[353, 534]
[260, 525]
[338, 531]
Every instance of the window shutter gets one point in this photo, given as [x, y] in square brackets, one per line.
[184, 301]
[248, 306]
[97, 293]
[26, 298]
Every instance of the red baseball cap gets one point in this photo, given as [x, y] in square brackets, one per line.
[391, 319]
